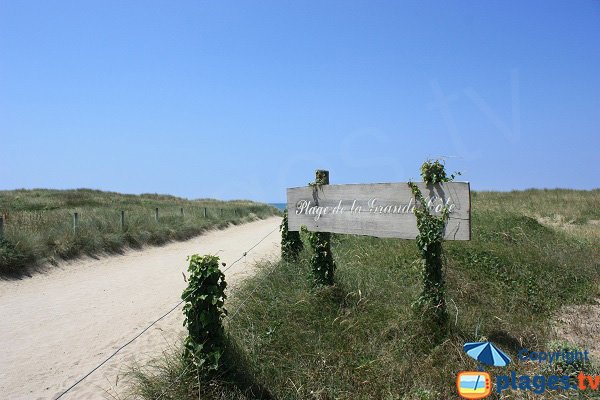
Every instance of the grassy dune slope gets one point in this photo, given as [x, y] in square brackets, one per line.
[39, 223]
[361, 340]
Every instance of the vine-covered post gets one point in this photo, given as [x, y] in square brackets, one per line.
[291, 243]
[322, 262]
[432, 301]
[204, 311]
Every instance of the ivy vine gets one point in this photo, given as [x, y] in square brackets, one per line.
[204, 311]
[291, 243]
[432, 301]
[434, 172]
[322, 263]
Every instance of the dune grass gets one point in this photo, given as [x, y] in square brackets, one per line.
[38, 224]
[361, 339]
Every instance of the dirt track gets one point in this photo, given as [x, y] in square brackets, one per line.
[55, 327]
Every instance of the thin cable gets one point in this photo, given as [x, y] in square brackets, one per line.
[249, 250]
[119, 349]
[128, 343]
[154, 322]
[251, 293]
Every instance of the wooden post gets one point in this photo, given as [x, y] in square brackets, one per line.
[182, 212]
[221, 213]
[322, 177]
[122, 220]
[1, 226]
[323, 264]
[75, 222]
[156, 216]
[204, 212]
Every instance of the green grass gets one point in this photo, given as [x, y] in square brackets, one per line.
[39, 223]
[361, 339]
[573, 205]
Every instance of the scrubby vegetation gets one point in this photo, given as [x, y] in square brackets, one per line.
[38, 224]
[360, 339]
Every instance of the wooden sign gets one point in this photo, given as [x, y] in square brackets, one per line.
[379, 209]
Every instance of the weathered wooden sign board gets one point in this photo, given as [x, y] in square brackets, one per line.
[379, 209]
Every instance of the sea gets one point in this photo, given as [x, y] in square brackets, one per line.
[280, 206]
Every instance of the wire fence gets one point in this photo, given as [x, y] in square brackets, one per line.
[231, 316]
[147, 328]
[108, 219]
[33, 238]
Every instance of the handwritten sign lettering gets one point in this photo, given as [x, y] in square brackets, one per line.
[381, 209]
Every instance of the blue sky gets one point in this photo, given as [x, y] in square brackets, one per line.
[243, 99]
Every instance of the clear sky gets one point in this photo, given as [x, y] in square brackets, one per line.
[243, 99]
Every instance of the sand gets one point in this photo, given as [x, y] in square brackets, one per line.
[57, 326]
[579, 325]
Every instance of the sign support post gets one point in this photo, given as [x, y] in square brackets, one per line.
[322, 261]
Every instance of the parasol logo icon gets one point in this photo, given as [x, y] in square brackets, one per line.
[478, 385]
[486, 353]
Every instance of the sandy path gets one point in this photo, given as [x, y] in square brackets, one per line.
[56, 327]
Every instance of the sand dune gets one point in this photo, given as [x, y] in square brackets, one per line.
[55, 327]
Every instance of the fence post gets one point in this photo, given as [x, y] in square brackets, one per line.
[204, 212]
[156, 216]
[75, 222]
[221, 213]
[322, 261]
[204, 312]
[182, 215]
[1, 226]
[122, 220]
